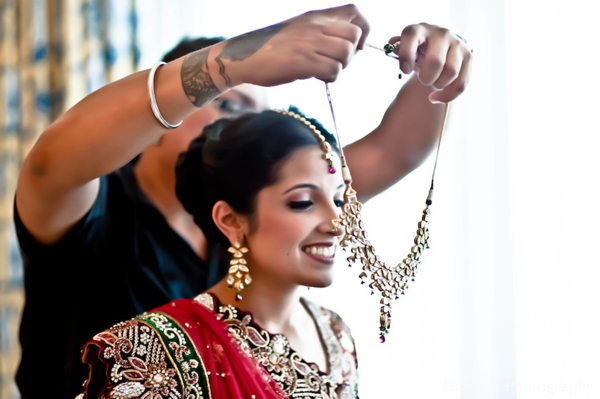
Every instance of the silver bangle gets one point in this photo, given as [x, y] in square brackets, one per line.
[153, 103]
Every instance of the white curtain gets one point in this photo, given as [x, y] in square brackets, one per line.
[506, 301]
[554, 141]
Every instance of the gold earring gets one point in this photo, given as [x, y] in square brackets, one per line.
[239, 274]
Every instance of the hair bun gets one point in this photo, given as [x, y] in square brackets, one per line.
[190, 188]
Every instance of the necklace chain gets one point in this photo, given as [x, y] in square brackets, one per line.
[390, 281]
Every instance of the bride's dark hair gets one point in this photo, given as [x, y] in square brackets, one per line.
[233, 159]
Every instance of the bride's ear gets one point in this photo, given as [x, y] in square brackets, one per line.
[231, 224]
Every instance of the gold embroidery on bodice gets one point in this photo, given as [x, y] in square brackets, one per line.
[298, 378]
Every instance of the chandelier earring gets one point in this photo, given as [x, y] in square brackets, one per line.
[238, 276]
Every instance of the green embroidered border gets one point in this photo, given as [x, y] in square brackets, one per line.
[177, 331]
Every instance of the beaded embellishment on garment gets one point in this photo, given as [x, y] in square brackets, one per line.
[141, 364]
[153, 356]
[297, 377]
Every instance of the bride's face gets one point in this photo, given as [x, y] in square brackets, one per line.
[293, 242]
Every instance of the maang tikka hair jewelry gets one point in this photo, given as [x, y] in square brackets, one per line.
[391, 281]
[325, 146]
[239, 275]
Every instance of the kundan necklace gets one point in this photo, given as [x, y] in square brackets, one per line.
[390, 280]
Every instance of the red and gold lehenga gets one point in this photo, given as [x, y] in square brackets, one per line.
[198, 348]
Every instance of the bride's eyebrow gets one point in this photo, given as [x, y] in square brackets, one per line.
[302, 185]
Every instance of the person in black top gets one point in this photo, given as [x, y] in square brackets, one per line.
[82, 206]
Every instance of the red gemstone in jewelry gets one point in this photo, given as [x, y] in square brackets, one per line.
[238, 297]
[331, 170]
[382, 338]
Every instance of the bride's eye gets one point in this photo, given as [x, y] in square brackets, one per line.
[300, 205]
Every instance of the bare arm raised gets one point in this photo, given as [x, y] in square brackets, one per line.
[410, 128]
[58, 182]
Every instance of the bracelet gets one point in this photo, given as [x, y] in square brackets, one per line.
[153, 103]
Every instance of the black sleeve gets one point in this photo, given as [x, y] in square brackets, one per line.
[91, 230]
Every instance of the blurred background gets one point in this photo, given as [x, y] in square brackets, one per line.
[506, 301]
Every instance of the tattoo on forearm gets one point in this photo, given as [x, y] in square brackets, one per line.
[241, 47]
[196, 80]
[222, 71]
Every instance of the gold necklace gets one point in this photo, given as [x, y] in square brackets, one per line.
[391, 281]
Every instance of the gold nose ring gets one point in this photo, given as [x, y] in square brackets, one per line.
[336, 224]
